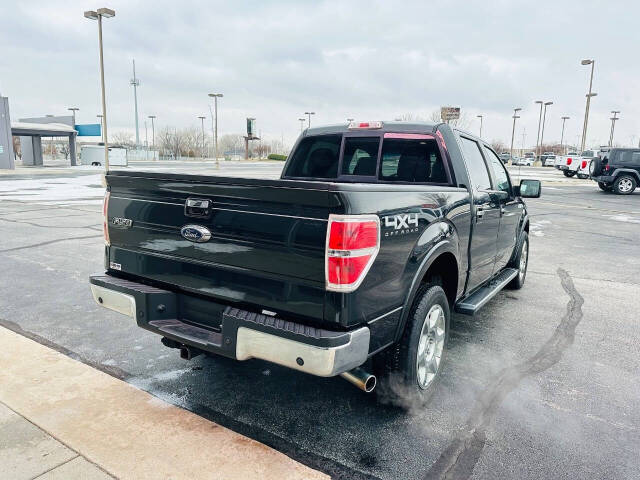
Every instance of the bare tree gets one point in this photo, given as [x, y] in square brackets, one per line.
[123, 138]
[498, 146]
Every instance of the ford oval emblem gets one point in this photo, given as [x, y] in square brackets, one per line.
[195, 233]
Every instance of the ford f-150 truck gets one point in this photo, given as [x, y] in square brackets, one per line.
[350, 263]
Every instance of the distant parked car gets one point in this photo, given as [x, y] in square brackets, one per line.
[530, 156]
[523, 161]
[504, 156]
[549, 160]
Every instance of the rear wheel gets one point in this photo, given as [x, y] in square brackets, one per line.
[624, 185]
[521, 262]
[410, 369]
[604, 186]
[568, 173]
[582, 176]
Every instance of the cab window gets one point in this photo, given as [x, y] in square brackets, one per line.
[412, 160]
[360, 156]
[500, 173]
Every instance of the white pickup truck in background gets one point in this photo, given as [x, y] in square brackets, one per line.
[573, 164]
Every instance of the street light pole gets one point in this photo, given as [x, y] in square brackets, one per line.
[202, 120]
[544, 119]
[480, 117]
[513, 131]
[101, 127]
[302, 120]
[541, 102]
[92, 15]
[73, 111]
[136, 83]
[564, 119]
[613, 125]
[215, 133]
[153, 134]
[309, 114]
[589, 95]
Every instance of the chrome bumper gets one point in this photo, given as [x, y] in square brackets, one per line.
[240, 338]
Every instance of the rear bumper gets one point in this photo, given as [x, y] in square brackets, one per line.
[603, 179]
[241, 334]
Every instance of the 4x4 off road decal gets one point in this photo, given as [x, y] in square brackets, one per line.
[402, 224]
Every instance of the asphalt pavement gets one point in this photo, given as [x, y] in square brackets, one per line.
[543, 383]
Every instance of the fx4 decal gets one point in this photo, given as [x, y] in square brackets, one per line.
[402, 224]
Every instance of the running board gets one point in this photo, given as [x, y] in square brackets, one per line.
[471, 304]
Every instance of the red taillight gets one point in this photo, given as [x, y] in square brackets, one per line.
[569, 161]
[353, 235]
[584, 164]
[354, 125]
[105, 217]
[606, 168]
[353, 242]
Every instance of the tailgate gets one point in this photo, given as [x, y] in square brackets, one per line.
[266, 245]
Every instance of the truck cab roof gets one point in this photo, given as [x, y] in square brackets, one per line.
[387, 126]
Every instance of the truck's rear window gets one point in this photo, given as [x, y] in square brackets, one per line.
[407, 160]
[316, 157]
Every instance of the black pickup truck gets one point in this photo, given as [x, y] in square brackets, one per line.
[350, 263]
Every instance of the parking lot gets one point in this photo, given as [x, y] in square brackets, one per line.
[543, 383]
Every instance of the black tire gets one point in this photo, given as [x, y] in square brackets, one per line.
[624, 184]
[603, 186]
[518, 282]
[582, 176]
[568, 173]
[595, 168]
[397, 367]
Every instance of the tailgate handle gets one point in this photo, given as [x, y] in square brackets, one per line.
[197, 207]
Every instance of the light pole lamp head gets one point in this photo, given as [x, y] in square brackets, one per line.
[91, 15]
[565, 118]
[517, 109]
[539, 101]
[215, 95]
[309, 113]
[591, 94]
[548, 103]
[479, 116]
[152, 116]
[302, 119]
[106, 12]
[586, 62]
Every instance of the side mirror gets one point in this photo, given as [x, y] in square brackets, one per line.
[529, 189]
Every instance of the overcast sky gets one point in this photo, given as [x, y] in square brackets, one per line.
[369, 60]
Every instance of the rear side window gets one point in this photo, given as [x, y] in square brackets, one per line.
[412, 160]
[316, 157]
[627, 157]
[475, 163]
[360, 156]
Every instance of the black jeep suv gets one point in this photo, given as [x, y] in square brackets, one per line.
[618, 171]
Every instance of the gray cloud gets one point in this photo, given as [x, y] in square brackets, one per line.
[373, 60]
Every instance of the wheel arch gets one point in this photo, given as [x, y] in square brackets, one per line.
[441, 263]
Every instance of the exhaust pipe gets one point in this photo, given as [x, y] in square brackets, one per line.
[187, 353]
[361, 379]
